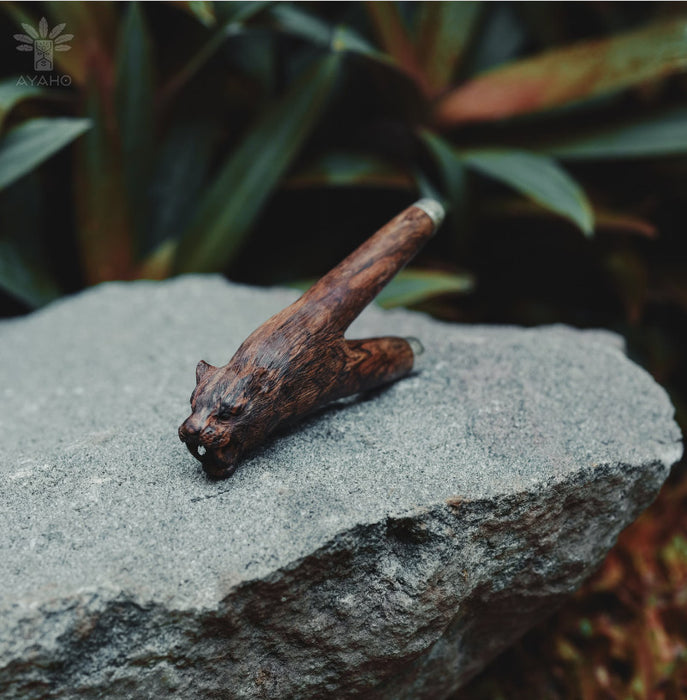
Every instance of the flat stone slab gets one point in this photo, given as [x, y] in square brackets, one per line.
[386, 547]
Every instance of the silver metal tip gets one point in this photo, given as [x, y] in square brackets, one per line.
[415, 345]
[433, 209]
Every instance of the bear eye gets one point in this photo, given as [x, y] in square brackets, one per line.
[227, 412]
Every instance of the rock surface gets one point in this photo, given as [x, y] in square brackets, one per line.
[386, 548]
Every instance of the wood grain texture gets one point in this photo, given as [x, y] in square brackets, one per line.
[299, 360]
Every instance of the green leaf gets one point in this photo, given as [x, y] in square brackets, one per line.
[347, 39]
[23, 278]
[663, 135]
[248, 178]
[411, 286]
[568, 75]
[444, 32]
[232, 21]
[202, 10]
[301, 285]
[292, 20]
[11, 94]
[538, 177]
[180, 174]
[427, 189]
[452, 169]
[29, 144]
[135, 109]
[350, 170]
[25, 256]
[158, 263]
[396, 41]
[238, 12]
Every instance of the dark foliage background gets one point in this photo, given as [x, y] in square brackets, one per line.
[266, 140]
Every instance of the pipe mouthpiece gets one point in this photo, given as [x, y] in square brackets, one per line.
[433, 209]
[415, 345]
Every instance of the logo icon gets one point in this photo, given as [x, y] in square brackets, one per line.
[43, 43]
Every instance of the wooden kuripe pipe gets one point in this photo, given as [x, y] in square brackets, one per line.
[298, 360]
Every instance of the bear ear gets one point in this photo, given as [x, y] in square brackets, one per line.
[202, 368]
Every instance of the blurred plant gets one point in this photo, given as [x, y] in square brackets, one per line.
[152, 197]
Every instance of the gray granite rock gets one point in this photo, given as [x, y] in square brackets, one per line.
[386, 548]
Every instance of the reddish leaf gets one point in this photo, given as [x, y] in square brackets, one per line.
[395, 40]
[102, 210]
[609, 220]
[93, 26]
[568, 75]
[605, 220]
[444, 32]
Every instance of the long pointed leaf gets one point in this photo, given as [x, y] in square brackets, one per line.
[231, 25]
[427, 189]
[538, 177]
[23, 278]
[253, 171]
[93, 25]
[135, 111]
[411, 286]
[500, 40]
[104, 227]
[25, 270]
[605, 219]
[12, 92]
[180, 174]
[158, 264]
[238, 12]
[350, 170]
[571, 74]
[29, 144]
[202, 10]
[396, 40]
[664, 135]
[444, 31]
[453, 174]
[292, 20]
